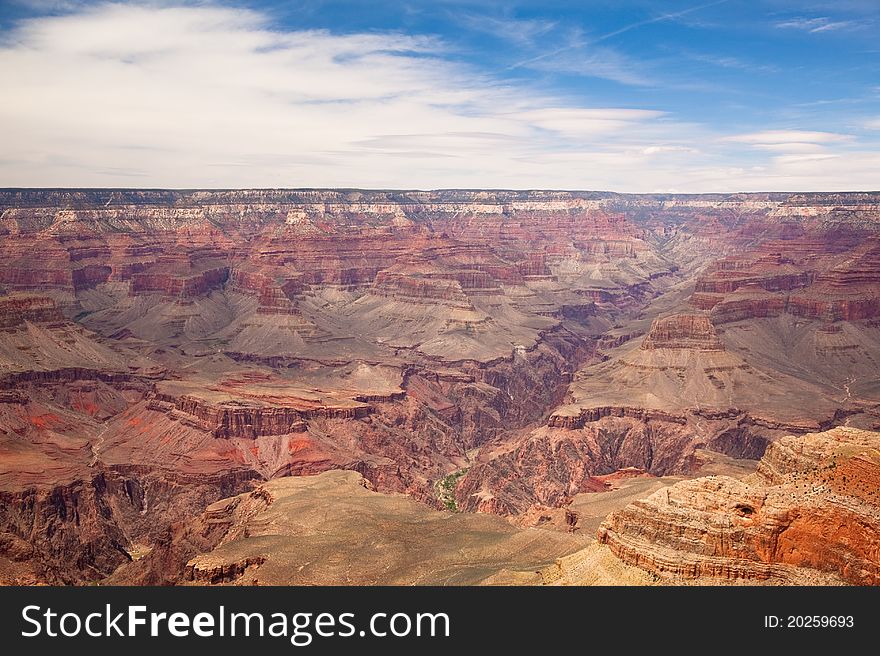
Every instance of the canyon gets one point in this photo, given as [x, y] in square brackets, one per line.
[228, 386]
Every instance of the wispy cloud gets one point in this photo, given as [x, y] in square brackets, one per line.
[523, 32]
[591, 61]
[656, 150]
[790, 147]
[734, 63]
[794, 145]
[49, 5]
[581, 55]
[819, 24]
[582, 122]
[788, 136]
[660, 18]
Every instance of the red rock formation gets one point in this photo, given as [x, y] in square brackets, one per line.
[724, 282]
[15, 310]
[813, 505]
[590, 415]
[276, 290]
[65, 533]
[418, 288]
[238, 418]
[833, 279]
[683, 331]
[550, 465]
[173, 284]
[736, 308]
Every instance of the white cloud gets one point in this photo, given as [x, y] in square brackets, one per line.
[586, 122]
[655, 150]
[204, 96]
[804, 158]
[821, 172]
[873, 123]
[790, 147]
[788, 136]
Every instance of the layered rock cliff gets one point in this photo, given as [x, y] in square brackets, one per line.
[813, 504]
[685, 332]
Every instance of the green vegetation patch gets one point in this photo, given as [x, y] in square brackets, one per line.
[445, 489]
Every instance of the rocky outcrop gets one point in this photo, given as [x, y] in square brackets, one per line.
[178, 286]
[241, 418]
[572, 421]
[725, 281]
[276, 292]
[68, 374]
[15, 310]
[813, 504]
[741, 307]
[682, 331]
[834, 279]
[420, 289]
[33, 276]
[66, 533]
[551, 465]
[579, 447]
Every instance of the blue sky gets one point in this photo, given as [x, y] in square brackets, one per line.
[628, 95]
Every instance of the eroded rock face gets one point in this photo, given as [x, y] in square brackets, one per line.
[654, 405]
[15, 310]
[683, 331]
[814, 503]
[831, 278]
[551, 465]
[62, 531]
